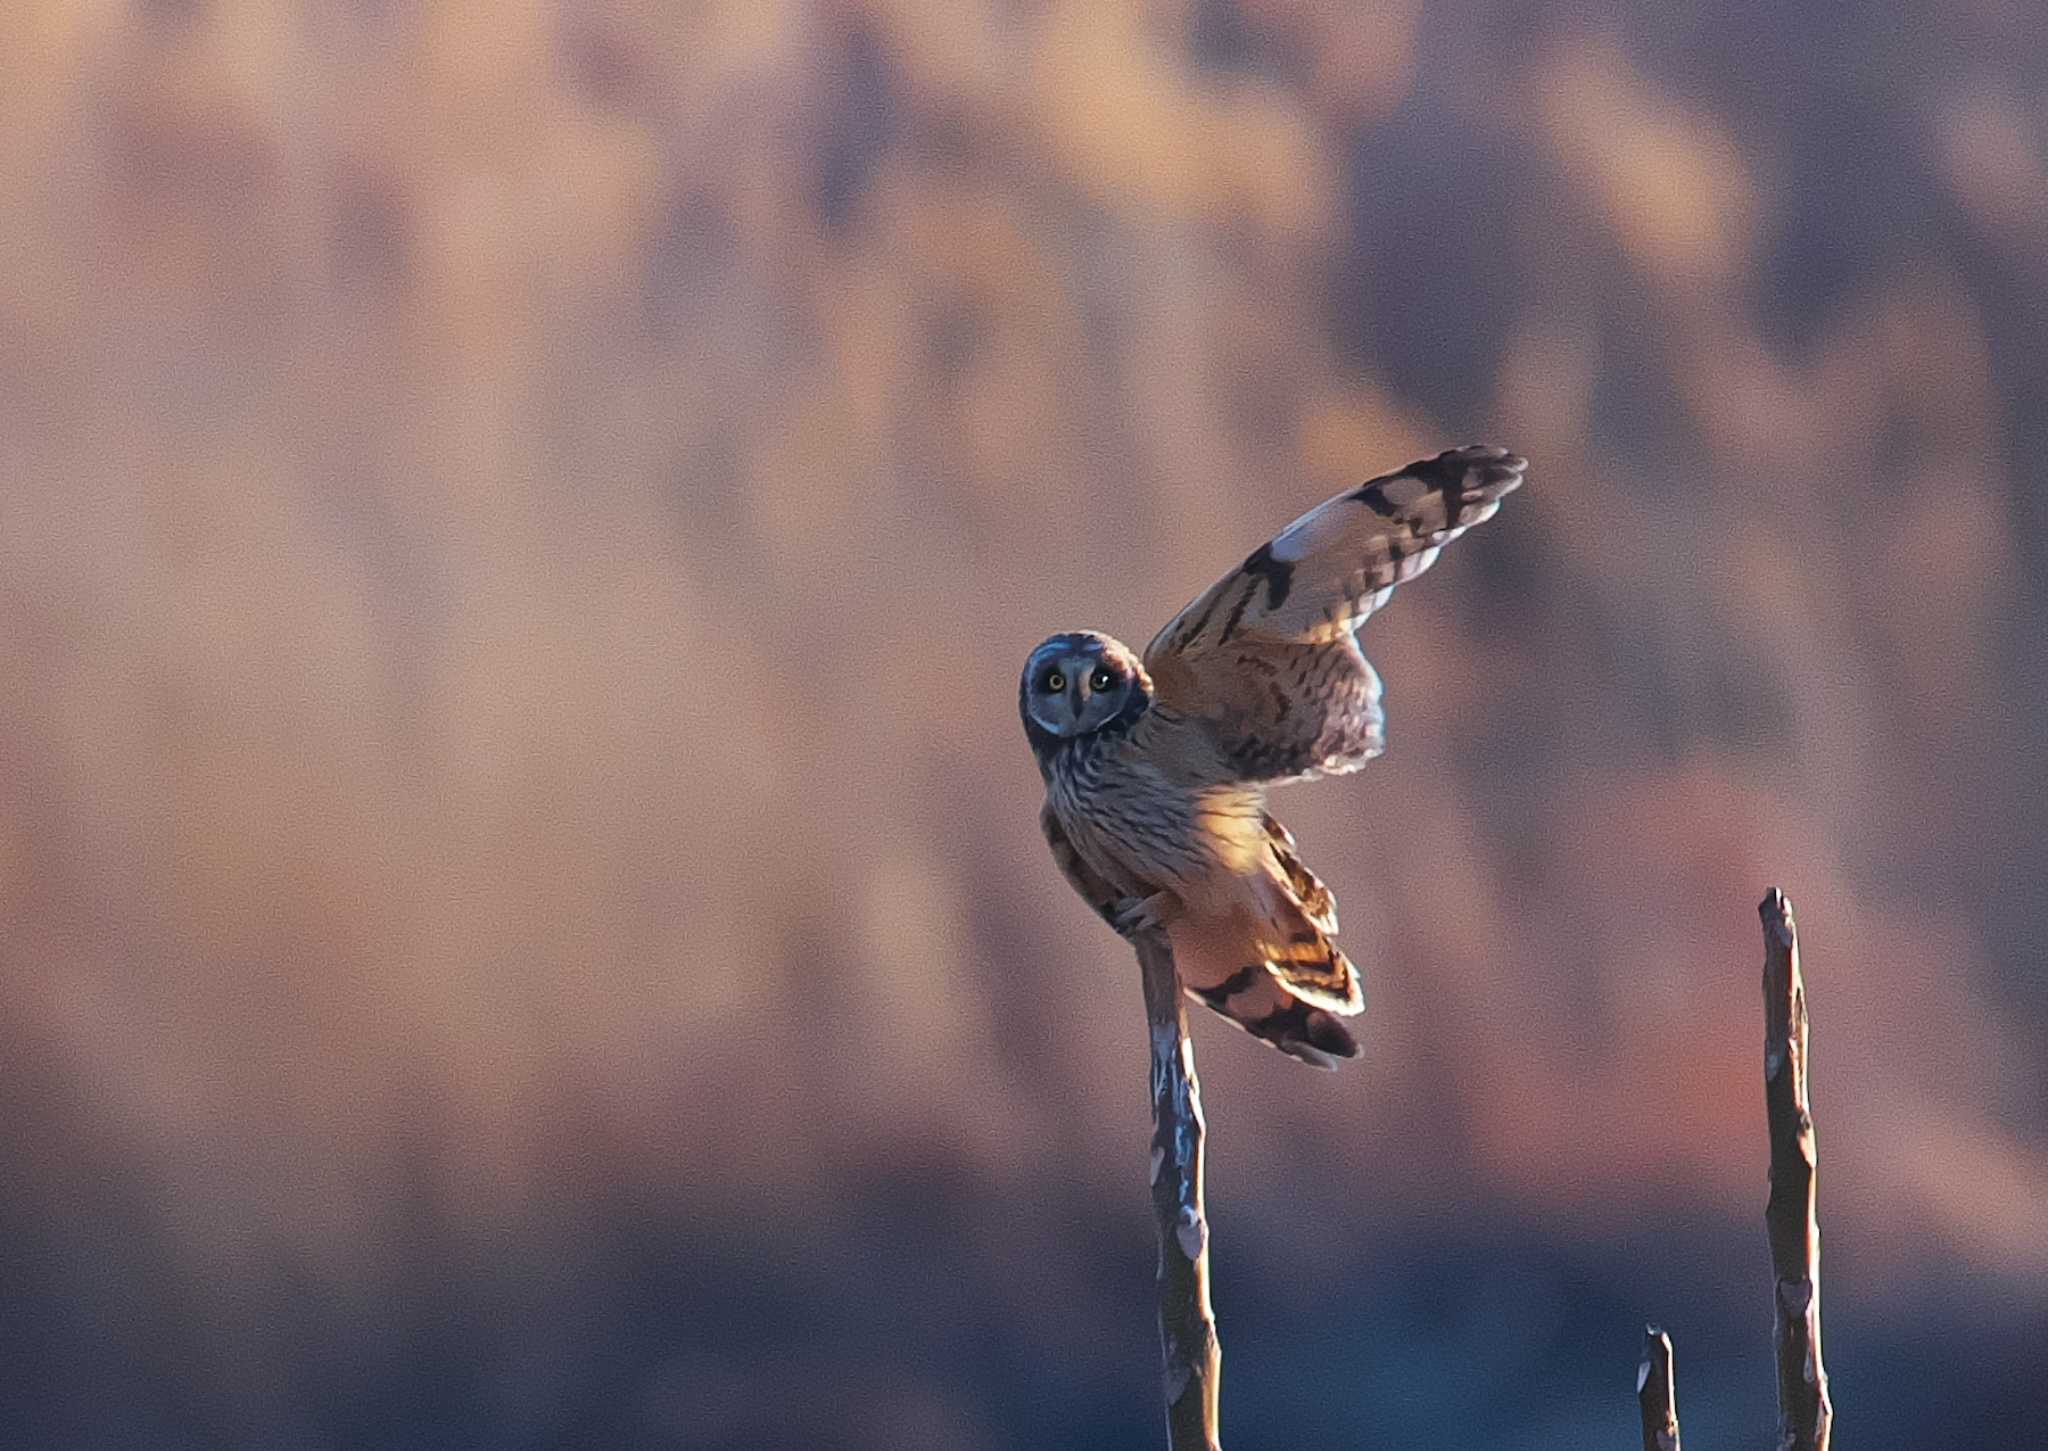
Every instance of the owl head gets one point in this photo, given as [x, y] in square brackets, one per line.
[1077, 684]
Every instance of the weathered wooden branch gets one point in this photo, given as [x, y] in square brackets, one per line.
[1187, 1324]
[1657, 1391]
[1805, 1414]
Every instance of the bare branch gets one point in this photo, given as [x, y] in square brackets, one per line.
[1805, 1414]
[1187, 1324]
[1657, 1390]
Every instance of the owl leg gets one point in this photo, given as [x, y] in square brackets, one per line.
[1145, 914]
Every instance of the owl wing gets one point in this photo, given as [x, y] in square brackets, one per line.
[1268, 658]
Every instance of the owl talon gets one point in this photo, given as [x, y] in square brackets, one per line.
[1143, 914]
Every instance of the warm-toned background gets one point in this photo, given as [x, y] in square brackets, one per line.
[524, 923]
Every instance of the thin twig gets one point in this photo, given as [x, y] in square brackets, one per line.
[1187, 1324]
[1805, 1414]
[1657, 1391]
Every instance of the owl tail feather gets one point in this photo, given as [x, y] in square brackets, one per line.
[1266, 961]
[1254, 998]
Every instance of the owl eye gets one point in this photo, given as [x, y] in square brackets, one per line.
[1101, 679]
[1055, 682]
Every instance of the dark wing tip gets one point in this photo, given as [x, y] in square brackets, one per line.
[1476, 469]
[1468, 479]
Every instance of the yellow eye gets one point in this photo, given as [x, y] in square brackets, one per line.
[1101, 679]
[1055, 682]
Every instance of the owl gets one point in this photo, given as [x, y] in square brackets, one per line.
[1156, 767]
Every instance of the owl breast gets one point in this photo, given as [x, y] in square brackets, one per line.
[1137, 826]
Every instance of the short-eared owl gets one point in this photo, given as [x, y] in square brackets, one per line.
[1156, 769]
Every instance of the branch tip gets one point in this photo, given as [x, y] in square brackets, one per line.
[1657, 1392]
[1776, 912]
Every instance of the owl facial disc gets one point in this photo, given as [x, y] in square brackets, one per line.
[1078, 683]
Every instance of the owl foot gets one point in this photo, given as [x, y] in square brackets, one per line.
[1145, 914]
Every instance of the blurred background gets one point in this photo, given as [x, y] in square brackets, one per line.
[524, 919]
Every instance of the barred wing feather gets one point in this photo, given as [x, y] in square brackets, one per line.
[1267, 659]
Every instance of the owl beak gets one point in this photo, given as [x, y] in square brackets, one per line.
[1075, 704]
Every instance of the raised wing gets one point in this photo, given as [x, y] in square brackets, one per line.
[1268, 659]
